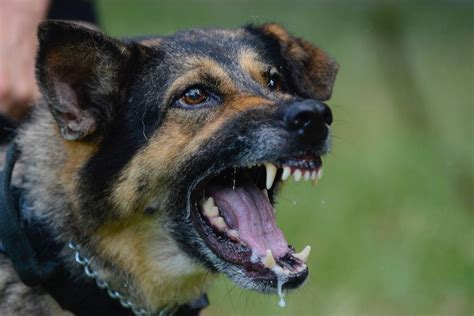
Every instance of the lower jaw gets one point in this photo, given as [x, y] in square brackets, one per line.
[238, 265]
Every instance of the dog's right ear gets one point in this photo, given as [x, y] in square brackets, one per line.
[81, 73]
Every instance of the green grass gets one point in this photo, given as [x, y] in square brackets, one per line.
[391, 223]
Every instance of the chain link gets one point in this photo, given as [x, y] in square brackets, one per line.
[116, 295]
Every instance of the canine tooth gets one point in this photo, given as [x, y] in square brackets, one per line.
[297, 174]
[265, 192]
[271, 173]
[304, 254]
[313, 175]
[307, 174]
[218, 222]
[233, 234]
[269, 261]
[319, 174]
[286, 173]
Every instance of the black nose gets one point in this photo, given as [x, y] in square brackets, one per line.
[309, 120]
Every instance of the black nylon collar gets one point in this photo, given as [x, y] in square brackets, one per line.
[15, 241]
[34, 254]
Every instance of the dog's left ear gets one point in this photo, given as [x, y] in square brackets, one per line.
[311, 69]
[81, 73]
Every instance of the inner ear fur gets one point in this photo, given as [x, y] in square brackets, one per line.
[312, 71]
[81, 73]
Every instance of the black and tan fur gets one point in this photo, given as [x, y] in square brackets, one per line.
[109, 161]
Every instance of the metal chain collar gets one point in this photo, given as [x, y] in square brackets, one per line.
[116, 295]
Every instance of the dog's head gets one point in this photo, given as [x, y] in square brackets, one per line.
[176, 146]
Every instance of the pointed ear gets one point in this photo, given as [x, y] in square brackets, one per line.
[311, 69]
[81, 73]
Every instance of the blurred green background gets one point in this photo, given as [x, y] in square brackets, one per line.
[391, 222]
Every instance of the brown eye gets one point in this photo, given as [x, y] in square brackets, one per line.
[273, 80]
[273, 84]
[194, 96]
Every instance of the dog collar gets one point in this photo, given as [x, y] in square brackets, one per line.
[34, 254]
[122, 298]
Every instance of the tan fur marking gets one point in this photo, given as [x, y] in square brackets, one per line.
[78, 153]
[243, 103]
[198, 67]
[151, 42]
[156, 161]
[142, 248]
[277, 31]
[251, 63]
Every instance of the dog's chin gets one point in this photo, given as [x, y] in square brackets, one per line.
[233, 213]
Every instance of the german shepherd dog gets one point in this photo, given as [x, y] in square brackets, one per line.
[152, 164]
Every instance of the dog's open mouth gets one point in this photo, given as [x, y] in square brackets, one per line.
[234, 214]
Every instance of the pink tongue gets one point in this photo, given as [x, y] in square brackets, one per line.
[247, 209]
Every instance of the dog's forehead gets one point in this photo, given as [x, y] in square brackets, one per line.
[207, 40]
[225, 46]
[235, 59]
[210, 36]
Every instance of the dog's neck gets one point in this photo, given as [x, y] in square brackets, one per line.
[148, 266]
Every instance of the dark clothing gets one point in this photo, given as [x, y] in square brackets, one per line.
[81, 10]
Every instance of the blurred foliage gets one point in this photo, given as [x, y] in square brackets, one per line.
[391, 223]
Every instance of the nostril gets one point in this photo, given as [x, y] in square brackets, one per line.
[327, 115]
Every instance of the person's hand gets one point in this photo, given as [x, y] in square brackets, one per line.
[19, 20]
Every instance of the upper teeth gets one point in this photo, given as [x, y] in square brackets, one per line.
[286, 173]
[271, 174]
[307, 174]
[299, 174]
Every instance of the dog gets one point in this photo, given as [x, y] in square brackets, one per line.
[152, 164]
